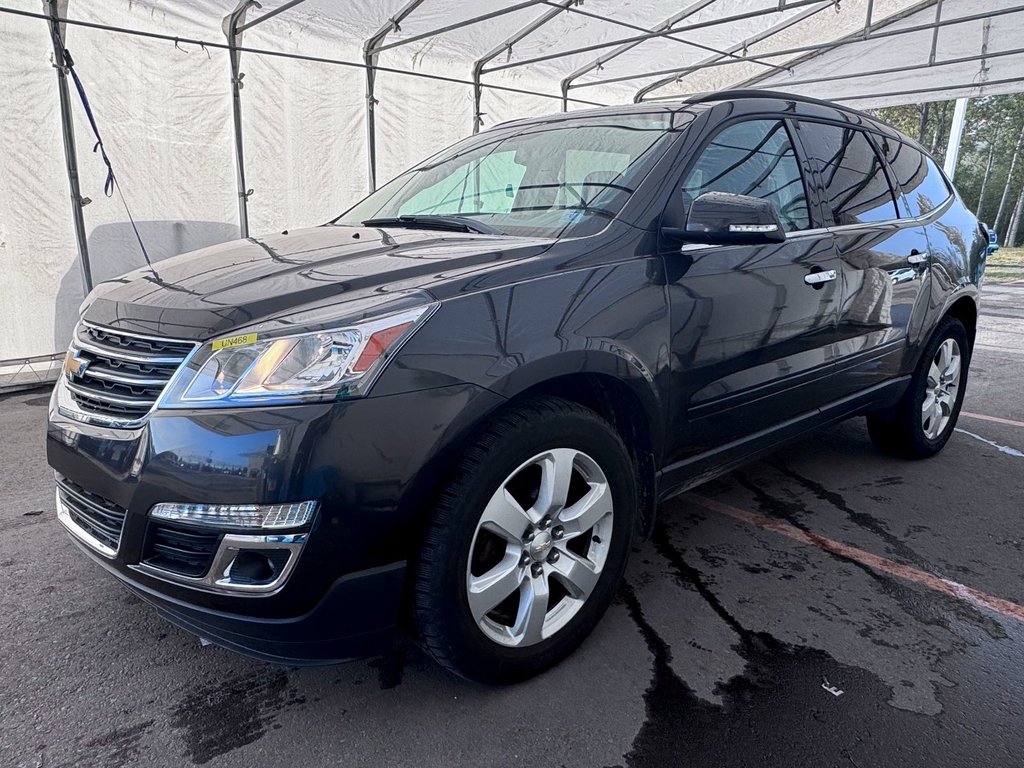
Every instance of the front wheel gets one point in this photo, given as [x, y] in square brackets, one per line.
[925, 417]
[527, 543]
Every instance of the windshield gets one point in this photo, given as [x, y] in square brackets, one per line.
[564, 179]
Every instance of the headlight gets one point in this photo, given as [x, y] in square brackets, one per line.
[247, 369]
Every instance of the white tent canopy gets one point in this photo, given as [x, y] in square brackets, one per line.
[160, 81]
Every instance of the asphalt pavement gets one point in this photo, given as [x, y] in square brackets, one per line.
[828, 606]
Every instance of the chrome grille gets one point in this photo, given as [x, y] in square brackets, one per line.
[120, 375]
[94, 519]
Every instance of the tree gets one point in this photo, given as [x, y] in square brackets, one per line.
[1009, 180]
[987, 174]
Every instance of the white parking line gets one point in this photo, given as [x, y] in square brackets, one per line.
[1002, 448]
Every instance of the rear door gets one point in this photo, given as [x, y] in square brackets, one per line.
[750, 337]
[883, 254]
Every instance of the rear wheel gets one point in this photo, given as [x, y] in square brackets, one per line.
[925, 417]
[527, 544]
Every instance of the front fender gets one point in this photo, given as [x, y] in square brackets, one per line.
[609, 320]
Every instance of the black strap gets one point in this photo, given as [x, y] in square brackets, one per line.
[110, 184]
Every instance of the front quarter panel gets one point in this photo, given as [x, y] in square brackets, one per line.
[609, 319]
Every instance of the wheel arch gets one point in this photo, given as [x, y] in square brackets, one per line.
[965, 309]
[630, 407]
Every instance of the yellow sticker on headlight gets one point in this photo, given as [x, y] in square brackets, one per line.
[234, 341]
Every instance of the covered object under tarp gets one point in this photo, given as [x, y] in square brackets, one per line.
[224, 119]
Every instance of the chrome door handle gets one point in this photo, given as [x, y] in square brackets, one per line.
[916, 259]
[817, 278]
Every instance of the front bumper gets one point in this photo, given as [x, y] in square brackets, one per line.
[369, 462]
[355, 618]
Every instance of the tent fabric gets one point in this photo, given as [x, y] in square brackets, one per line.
[164, 107]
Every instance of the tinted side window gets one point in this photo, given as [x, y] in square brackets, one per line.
[752, 158]
[922, 182]
[856, 187]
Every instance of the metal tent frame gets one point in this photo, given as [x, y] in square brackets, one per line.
[680, 28]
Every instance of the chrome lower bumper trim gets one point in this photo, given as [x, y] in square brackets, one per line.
[218, 578]
[80, 533]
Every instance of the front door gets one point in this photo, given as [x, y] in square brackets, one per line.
[751, 335]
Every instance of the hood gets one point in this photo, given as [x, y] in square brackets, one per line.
[214, 290]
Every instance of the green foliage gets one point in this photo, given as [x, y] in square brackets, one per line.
[994, 128]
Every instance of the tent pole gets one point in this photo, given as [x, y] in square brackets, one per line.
[600, 61]
[956, 132]
[56, 10]
[371, 51]
[371, 121]
[477, 96]
[231, 25]
[519, 35]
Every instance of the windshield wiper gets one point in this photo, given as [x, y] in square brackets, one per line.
[430, 221]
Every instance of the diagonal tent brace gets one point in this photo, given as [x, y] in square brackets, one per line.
[740, 46]
[56, 10]
[872, 30]
[604, 58]
[812, 50]
[879, 32]
[461, 24]
[659, 31]
[670, 33]
[268, 15]
[506, 46]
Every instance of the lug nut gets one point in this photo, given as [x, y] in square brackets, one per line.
[537, 570]
[553, 557]
[525, 559]
[558, 532]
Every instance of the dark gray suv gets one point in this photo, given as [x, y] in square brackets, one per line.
[451, 409]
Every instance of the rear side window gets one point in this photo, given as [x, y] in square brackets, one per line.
[923, 184]
[753, 158]
[856, 188]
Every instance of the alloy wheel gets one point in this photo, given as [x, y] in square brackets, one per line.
[539, 547]
[941, 389]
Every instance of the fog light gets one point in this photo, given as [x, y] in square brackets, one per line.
[251, 567]
[272, 516]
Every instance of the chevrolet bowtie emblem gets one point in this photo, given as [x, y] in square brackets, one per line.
[74, 365]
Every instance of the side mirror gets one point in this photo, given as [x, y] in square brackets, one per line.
[722, 218]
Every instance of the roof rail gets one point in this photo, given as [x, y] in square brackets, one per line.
[755, 93]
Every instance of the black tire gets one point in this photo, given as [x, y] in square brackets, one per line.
[446, 628]
[900, 431]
